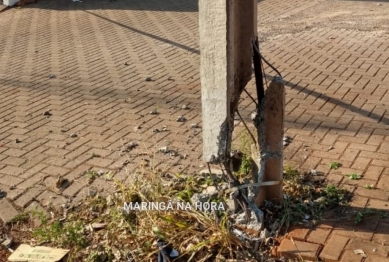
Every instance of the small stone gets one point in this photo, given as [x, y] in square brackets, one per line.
[137, 128]
[185, 107]
[47, 113]
[378, 4]
[100, 173]
[131, 145]
[156, 130]
[181, 119]
[173, 153]
[164, 149]
[194, 126]
[148, 79]
[52, 76]
[12, 187]
[126, 64]
[374, 249]
[73, 135]
[285, 143]
[330, 148]
[125, 162]
[2, 194]
[211, 190]
[92, 192]
[154, 112]
[17, 141]
[313, 172]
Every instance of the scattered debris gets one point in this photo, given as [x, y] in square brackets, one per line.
[286, 140]
[164, 150]
[98, 225]
[92, 192]
[39, 253]
[47, 113]
[2, 194]
[166, 252]
[181, 119]
[62, 183]
[130, 146]
[6, 242]
[360, 252]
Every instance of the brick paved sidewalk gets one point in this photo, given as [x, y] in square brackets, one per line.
[88, 63]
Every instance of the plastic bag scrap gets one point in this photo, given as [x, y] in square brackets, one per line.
[166, 252]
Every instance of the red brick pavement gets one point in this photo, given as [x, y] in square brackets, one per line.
[99, 55]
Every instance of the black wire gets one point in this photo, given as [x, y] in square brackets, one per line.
[258, 72]
[252, 98]
[269, 64]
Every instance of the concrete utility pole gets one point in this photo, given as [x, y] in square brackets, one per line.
[227, 29]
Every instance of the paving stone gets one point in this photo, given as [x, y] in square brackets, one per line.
[334, 248]
[350, 256]
[7, 211]
[375, 258]
[298, 249]
[36, 210]
[298, 233]
[29, 195]
[318, 235]
[369, 248]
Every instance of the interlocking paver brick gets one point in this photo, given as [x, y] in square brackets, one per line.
[334, 248]
[298, 249]
[7, 211]
[369, 248]
[318, 235]
[350, 256]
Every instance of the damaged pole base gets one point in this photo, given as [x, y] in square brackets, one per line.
[270, 126]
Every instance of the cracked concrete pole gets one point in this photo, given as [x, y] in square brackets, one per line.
[227, 28]
[272, 144]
